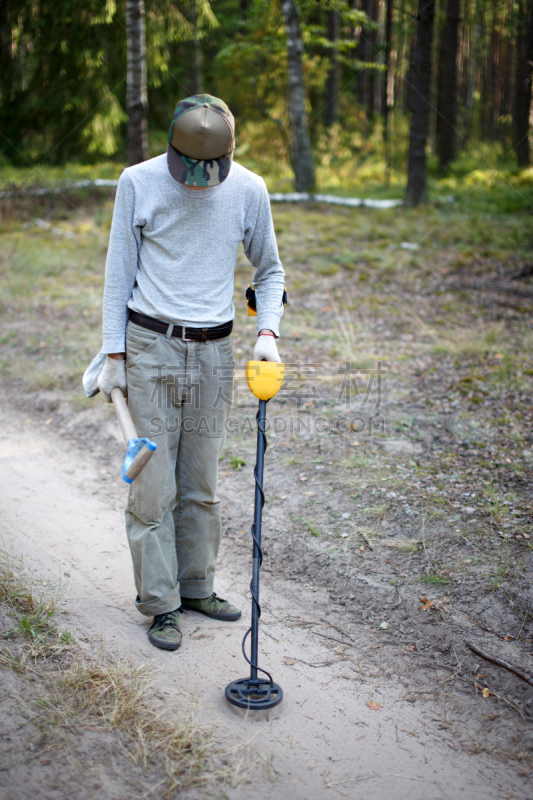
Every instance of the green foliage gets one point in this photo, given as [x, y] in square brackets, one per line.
[237, 462]
[167, 25]
[64, 91]
[102, 130]
[64, 95]
[251, 75]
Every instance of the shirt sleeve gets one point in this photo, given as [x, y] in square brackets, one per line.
[261, 250]
[120, 267]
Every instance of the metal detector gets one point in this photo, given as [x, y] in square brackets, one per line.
[264, 381]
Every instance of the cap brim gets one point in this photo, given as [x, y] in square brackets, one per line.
[190, 172]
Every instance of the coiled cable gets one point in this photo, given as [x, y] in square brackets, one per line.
[255, 599]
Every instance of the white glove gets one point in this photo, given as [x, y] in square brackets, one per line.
[265, 348]
[112, 376]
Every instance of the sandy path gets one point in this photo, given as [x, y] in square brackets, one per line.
[323, 738]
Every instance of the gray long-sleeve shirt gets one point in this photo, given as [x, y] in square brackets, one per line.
[172, 250]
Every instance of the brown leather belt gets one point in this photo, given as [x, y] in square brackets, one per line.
[180, 332]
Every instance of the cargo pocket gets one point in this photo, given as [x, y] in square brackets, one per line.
[154, 490]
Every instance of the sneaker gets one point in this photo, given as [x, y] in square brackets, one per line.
[165, 631]
[212, 606]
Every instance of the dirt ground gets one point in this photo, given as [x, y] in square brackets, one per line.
[394, 708]
[398, 523]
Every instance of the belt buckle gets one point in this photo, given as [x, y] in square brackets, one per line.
[183, 339]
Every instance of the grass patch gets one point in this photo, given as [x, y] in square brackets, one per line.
[34, 606]
[440, 580]
[55, 272]
[357, 460]
[369, 533]
[78, 691]
[377, 511]
[118, 695]
[471, 341]
[409, 546]
[292, 461]
[310, 527]
[236, 462]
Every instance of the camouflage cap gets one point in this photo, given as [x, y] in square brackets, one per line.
[201, 141]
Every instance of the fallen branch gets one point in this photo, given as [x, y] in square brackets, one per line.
[504, 636]
[63, 187]
[316, 666]
[277, 197]
[399, 601]
[500, 663]
[367, 540]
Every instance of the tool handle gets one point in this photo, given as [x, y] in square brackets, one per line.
[123, 415]
[139, 462]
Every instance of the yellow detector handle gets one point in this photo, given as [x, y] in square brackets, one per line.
[264, 378]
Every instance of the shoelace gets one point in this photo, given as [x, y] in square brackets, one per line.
[167, 620]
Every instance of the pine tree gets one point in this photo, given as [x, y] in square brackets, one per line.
[301, 157]
[419, 97]
[333, 79]
[522, 98]
[137, 101]
[447, 98]
[387, 92]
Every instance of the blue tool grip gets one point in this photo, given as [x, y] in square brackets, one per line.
[134, 448]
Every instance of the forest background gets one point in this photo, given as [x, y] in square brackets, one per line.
[333, 94]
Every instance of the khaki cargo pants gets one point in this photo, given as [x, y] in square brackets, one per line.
[179, 396]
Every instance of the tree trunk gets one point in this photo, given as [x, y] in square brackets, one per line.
[333, 79]
[495, 72]
[6, 52]
[354, 37]
[300, 152]
[488, 91]
[473, 70]
[363, 54]
[372, 35]
[506, 107]
[464, 55]
[387, 87]
[198, 53]
[447, 92]
[399, 68]
[408, 77]
[198, 65]
[137, 102]
[376, 76]
[522, 97]
[421, 83]
[373, 80]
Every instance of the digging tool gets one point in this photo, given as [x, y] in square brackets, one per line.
[139, 449]
[264, 381]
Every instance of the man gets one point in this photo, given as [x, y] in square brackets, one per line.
[167, 318]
